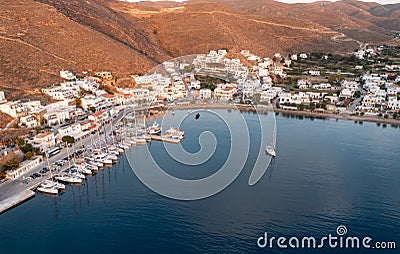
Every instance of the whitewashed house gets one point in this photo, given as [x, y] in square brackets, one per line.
[314, 72]
[44, 141]
[205, 94]
[346, 93]
[68, 75]
[225, 92]
[24, 167]
[74, 130]
[2, 97]
[29, 121]
[12, 108]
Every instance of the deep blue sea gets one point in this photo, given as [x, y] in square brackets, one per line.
[327, 173]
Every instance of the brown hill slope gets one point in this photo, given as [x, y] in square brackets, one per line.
[357, 20]
[36, 42]
[40, 37]
[197, 28]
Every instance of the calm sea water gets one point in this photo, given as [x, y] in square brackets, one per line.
[327, 173]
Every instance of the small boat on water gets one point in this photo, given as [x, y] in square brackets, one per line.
[48, 190]
[69, 179]
[174, 133]
[154, 129]
[197, 116]
[270, 150]
[50, 184]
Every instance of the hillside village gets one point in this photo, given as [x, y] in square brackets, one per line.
[299, 82]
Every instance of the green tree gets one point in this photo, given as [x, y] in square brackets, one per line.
[395, 115]
[43, 121]
[386, 116]
[11, 164]
[20, 142]
[2, 175]
[27, 148]
[28, 156]
[68, 139]
[78, 102]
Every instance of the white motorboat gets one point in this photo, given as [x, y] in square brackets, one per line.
[270, 150]
[174, 133]
[83, 168]
[103, 159]
[48, 190]
[50, 184]
[124, 147]
[69, 179]
[154, 129]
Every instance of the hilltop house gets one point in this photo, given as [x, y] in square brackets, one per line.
[2, 97]
[14, 108]
[68, 75]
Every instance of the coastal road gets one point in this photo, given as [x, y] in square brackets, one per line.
[352, 107]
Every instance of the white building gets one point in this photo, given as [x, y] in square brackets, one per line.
[67, 75]
[225, 92]
[44, 141]
[28, 121]
[303, 56]
[350, 85]
[91, 101]
[394, 104]
[24, 167]
[314, 72]
[205, 94]
[194, 84]
[14, 108]
[99, 116]
[322, 86]
[73, 130]
[346, 93]
[2, 97]
[59, 112]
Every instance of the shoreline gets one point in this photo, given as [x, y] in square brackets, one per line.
[262, 108]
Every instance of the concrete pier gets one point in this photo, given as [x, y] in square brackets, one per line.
[164, 139]
[15, 200]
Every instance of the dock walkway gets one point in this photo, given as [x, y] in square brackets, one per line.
[15, 200]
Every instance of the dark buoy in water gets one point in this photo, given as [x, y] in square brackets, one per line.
[197, 116]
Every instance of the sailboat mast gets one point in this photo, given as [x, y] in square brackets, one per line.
[69, 161]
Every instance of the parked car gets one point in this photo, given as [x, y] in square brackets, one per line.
[37, 174]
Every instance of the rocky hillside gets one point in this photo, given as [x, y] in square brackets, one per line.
[39, 38]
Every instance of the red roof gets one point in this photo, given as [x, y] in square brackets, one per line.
[108, 96]
[99, 113]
